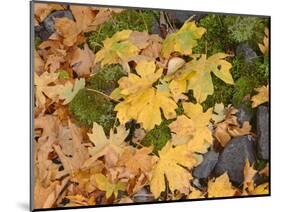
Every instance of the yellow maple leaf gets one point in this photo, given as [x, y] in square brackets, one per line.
[192, 128]
[110, 188]
[183, 40]
[141, 99]
[261, 189]
[261, 97]
[171, 160]
[69, 90]
[220, 187]
[196, 75]
[117, 49]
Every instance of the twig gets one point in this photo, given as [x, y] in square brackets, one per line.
[101, 93]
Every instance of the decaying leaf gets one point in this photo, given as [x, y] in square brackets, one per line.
[183, 40]
[249, 173]
[171, 163]
[192, 128]
[137, 160]
[110, 188]
[261, 97]
[44, 87]
[82, 61]
[69, 90]
[230, 127]
[73, 163]
[111, 147]
[220, 187]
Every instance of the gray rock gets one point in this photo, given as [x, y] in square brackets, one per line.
[233, 157]
[246, 52]
[263, 132]
[155, 28]
[143, 195]
[179, 17]
[244, 114]
[47, 28]
[206, 167]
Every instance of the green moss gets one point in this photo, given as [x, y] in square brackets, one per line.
[137, 20]
[37, 42]
[88, 107]
[106, 79]
[222, 93]
[158, 136]
[245, 28]
[215, 39]
[63, 75]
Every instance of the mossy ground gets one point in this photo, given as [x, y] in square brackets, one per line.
[90, 106]
[224, 34]
[136, 20]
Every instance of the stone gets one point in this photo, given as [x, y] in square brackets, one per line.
[233, 157]
[155, 28]
[263, 132]
[179, 17]
[244, 114]
[206, 167]
[143, 195]
[246, 52]
[47, 28]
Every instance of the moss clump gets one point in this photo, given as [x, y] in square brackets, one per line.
[106, 79]
[215, 39]
[137, 20]
[245, 28]
[37, 42]
[88, 107]
[222, 94]
[158, 136]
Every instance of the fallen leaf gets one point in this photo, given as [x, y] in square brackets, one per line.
[220, 187]
[42, 10]
[83, 15]
[44, 87]
[219, 115]
[110, 188]
[192, 128]
[137, 160]
[141, 99]
[69, 90]
[170, 164]
[111, 147]
[116, 49]
[261, 189]
[249, 173]
[183, 40]
[261, 97]
[82, 61]
[68, 29]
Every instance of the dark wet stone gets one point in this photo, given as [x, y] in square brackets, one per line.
[206, 167]
[232, 158]
[47, 28]
[244, 114]
[263, 132]
[155, 28]
[179, 17]
[245, 51]
[143, 195]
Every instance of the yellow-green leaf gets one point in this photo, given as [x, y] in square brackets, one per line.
[69, 91]
[117, 49]
[110, 188]
[183, 40]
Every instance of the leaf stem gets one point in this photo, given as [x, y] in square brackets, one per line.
[101, 93]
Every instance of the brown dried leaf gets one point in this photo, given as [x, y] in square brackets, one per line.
[82, 61]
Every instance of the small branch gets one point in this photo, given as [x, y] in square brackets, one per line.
[103, 94]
